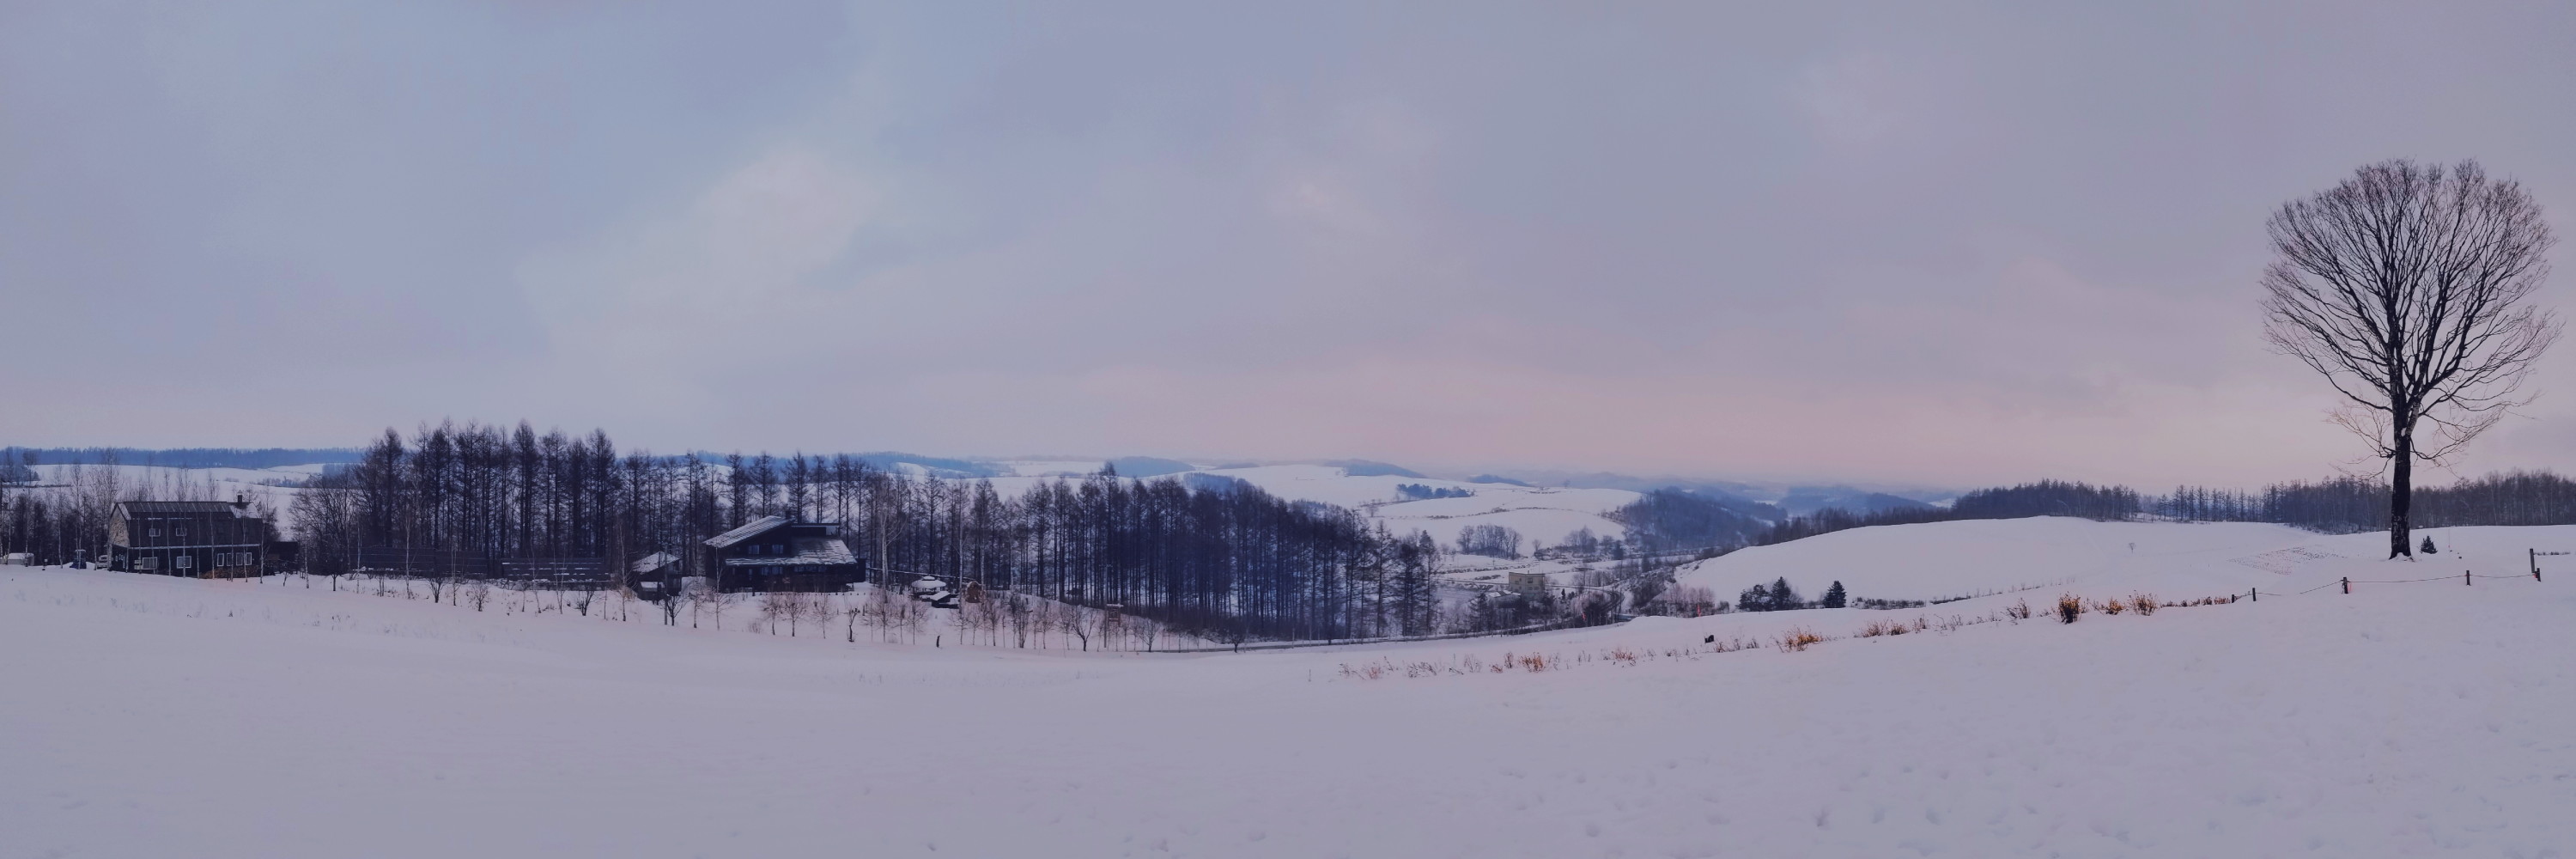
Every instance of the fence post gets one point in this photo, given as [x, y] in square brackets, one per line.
[2347, 584]
[2464, 578]
[2254, 594]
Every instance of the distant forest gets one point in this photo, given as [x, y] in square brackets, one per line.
[182, 457]
[2337, 506]
[1674, 519]
[1217, 558]
[2044, 498]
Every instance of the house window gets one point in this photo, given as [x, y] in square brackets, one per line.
[183, 562]
[144, 564]
[179, 532]
[152, 532]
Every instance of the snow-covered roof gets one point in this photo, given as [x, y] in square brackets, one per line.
[809, 550]
[655, 561]
[748, 530]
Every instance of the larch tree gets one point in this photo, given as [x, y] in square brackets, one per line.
[2407, 288]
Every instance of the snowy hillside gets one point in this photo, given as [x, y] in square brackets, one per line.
[156, 716]
[273, 487]
[1942, 560]
[158, 477]
[1542, 514]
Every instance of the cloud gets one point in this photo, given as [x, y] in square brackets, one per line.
[1952, 246]
[1853, 99]
[722, 286]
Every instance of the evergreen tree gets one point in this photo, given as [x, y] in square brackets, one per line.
[1835, 597]
[2428, 544]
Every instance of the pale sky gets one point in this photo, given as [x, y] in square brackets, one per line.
[1938, 243]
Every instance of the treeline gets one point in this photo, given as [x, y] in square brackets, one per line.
[2044, 498]
[17, 466]
[1223, 560]
[65, 518]
[181, 457]
[1493, 541]
[1670, 519]
[2352, 504]
[2340, 505]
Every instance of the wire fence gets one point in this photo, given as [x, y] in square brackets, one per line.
[2466, 578]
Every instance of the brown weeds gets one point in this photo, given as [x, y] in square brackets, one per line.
[1797, 639]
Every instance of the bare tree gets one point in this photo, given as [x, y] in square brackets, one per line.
[774, 606]
[2404, 287]
[1080, 622]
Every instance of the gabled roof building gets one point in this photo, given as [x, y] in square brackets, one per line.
[774, 553]
[200, 539]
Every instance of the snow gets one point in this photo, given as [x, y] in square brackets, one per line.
[1946, 559]
[228, 480]
[1542, 514]
[2043, 556]
[1075, 468]
[155, 716]
[214, 484]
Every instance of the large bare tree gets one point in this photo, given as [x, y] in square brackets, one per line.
[2406, 288]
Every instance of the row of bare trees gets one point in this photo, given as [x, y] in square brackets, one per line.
[1226, 560]
[61, 513]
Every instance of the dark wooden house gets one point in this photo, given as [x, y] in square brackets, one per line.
[773, 553]
[202, 539]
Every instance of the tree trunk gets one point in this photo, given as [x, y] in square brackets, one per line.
[2401, 492]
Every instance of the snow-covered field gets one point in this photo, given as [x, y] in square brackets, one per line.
[145, 716]
[1540, 513]
[2047, 555]
[263, 485]
[169, 480]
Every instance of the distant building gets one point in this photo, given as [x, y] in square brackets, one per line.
[655, 576]
[656, 565]
[18, 559]
[201, 539]
[774, 553]
[1525, 584]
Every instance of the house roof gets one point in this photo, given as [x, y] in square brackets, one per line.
[753, 528]
[655, 561]
[809, 551]
[135, 507]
